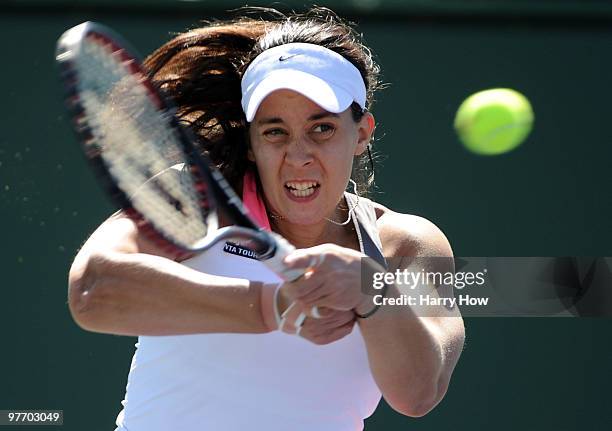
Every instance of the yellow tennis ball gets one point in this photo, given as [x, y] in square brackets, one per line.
[494, 121]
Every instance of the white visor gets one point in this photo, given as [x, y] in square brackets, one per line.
[322, 75]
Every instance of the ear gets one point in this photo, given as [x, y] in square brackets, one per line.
[365, 131]
[250, 155]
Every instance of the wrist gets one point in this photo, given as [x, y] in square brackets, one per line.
[282, 300]
[268, 305]
[367, 308]
[365, 304]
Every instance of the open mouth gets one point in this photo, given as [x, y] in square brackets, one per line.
[302, 189]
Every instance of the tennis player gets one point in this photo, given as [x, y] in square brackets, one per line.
[282, 105]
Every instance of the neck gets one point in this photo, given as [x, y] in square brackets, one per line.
[304, 236]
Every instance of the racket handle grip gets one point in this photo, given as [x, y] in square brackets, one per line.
[276, 264]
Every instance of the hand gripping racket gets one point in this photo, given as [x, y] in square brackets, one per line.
[127, 129]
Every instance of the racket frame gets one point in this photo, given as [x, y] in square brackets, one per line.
[205, 178]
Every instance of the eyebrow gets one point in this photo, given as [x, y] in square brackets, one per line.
[317, 116]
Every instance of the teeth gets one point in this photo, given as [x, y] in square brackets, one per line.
[301, 185]
[301, 189]
[302, 193]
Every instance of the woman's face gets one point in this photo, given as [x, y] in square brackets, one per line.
[304, 154]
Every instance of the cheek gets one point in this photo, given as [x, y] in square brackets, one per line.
[266, 159]
[338, 167]
[339, 155]
[255, 151]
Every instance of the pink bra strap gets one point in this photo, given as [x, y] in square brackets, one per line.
[253, 201]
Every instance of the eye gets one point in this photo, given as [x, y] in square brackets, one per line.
[324, 129]
[274, 132]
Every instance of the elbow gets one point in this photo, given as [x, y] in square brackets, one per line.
[88, 290]
[417, 404]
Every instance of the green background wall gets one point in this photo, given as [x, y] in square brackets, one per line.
[551, 197]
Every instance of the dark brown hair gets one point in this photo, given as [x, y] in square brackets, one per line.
[200, 71]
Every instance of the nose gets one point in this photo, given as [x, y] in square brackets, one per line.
[299, 153]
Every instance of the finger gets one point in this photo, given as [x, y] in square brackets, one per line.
[337, 299]
[291, 319]
[312, 312]
[289, 289]
[339, 319]
[300, 320]
[308, 312]
[330, 336]
[292, 289]
[315, 288]
[341, 331]
[310, 288]
[317, 313]
[326, 312]
[326, 299]
[304, 259]
[290, 323]
[342, 318]
[298, 259]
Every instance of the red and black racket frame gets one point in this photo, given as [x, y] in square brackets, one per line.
[215, 191]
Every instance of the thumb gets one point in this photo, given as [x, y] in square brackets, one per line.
[301, 259]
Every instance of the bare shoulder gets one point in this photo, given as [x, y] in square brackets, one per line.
[121, 234]
[409, 235]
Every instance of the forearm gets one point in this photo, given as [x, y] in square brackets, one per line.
[141, 294]
[411, 357]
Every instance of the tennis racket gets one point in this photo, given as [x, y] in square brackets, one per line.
[127, 129]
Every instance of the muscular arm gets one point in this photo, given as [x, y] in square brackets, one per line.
[121, 283]
[412, 351]
[412, 355]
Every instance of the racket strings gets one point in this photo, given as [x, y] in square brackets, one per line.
[133, 137]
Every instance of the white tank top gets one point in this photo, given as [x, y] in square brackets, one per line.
[227, 382]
